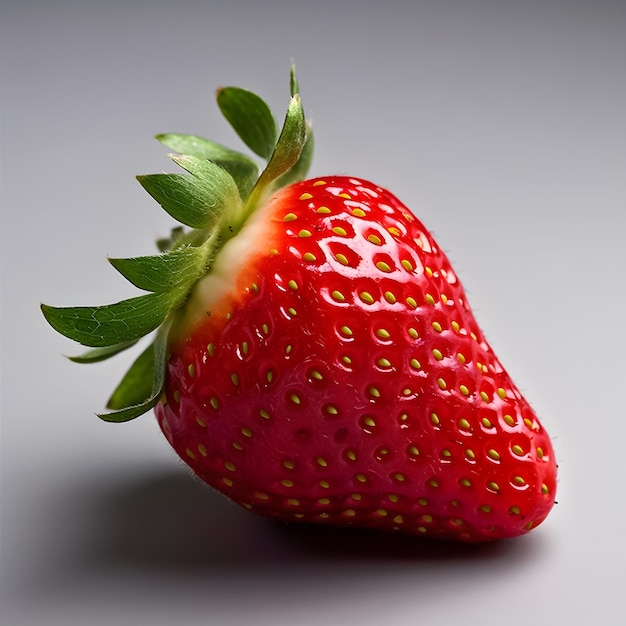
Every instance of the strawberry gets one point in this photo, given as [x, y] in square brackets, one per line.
[315, 357]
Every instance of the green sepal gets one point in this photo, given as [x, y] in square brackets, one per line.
[136, 385]
[96, 355]
[198, 200]
[241, 167]
[300, 170]
[111, 324]
[286, 153]
[163, 272]
[251, 119]
[150, 365]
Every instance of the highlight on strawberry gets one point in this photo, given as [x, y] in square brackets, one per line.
[315, 357]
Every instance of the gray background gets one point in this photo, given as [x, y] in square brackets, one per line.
[503, 126]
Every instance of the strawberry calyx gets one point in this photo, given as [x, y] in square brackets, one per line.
[218, 193]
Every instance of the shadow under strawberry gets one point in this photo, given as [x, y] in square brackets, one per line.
[167, 521]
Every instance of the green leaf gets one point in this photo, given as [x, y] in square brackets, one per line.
[287, 152]
[198, 200]
[163, 272]
[251, 119]
[111, 324]
[158, 363]
[136, 385]
[300, 170]
[241, 167]
[101, 354]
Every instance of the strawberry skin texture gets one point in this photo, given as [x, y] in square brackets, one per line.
[334, 373]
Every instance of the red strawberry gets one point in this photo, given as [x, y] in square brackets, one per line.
[317, 359]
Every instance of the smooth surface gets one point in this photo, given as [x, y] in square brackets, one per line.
[500, 123]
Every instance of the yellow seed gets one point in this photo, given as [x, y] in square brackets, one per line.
[446, 453]
[493, 486]
[434, 418]
[383, 334]
[407, 265]
[455, 327]
[375, 239]
[442, 384]
[339, 230]
[518, 480]
[485, 508]
[502, 393]
[464, 390]
[246, 432]
[437, 327]
[517, 450]
[383, 266]
[286, 482]
[227, 481]
[215, 403]
[433, 483]
[413, 333]
[351, 455]
[358, 212]
[321, 462]
[422, 502]
[306, 196]
[509, 420]
[394, 231]
[428, 271]
[190, 454]
[398, 519]
[331, 410]
[261, 495]
[310, 257]
[293, 502]
[342, 258]
[493, 454]
[324, 501]
[319, 183]
[361, 478]
[427, 519]
[514, 510]
[544, 489]
[390, 297]
[237, 446]
[411, 302]
[465, 482]
[191, 369]
[324, 210]
[293, 285]
[264, 414]
[399, 477]
[366, 297]
[392, 497]
[415, 364]
[437, 354]
[349, 512]
[384, 363]
[304, 233]
[345, 195]
[235, 379]
[357, 496]
[470, 453]
[460, 358]
[289, 464]
[381, 512]
[430, 299]
[346, 330]
[486, 422]
[375, 392]
[337, 295]
[539, 452]
[412, 450]
[230, 466]
[295, 398]
[369, 421]
[324, 484]
[290, 217]
[463, 423]
[202, 423]
[484, 396]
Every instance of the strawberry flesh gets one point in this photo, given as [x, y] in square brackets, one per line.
[329, 370]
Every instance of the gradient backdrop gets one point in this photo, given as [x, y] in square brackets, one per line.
[501, 123]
